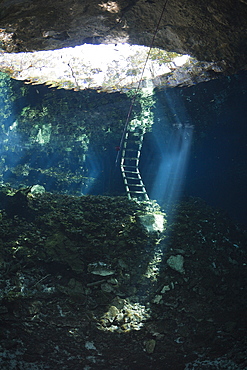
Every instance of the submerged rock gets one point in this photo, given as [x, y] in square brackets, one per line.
[51, 304]
[152, 222]
[100, 268]
[176, 263]
[37, 189]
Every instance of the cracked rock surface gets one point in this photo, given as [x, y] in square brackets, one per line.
[212, 31]
[107, 68]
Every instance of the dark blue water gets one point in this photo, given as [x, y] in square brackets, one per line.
[197, 147]
[217, 169]
[217, 163]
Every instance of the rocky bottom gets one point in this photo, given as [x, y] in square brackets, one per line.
[85, 286]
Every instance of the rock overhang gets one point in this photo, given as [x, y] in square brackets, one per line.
[211, 33]
[108, 68]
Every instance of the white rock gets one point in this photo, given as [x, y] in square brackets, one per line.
[37, 189]
[152, 222]
[176, 263]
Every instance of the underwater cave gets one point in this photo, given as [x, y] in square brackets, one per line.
[123, 185]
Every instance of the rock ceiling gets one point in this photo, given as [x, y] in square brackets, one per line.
[213, 32]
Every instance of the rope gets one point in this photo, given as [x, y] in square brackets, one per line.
[139, 84]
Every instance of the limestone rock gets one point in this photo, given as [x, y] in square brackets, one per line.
[150, 346]
[213, 31]
[176, 263]
[152, 222]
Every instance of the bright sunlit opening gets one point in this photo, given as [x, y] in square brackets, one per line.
[181, 60]
[109, 67]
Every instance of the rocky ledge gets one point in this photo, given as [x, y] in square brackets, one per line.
[85, 286]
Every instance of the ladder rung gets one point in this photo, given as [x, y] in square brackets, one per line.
[137, 134]
[136, 192]
[132, 179]
[125, 157]
[125, 165]
[132, 150]
[134, 140]
[129, 170]
[137, 149]
[129, 178]
[137, 185]
[132, 145]
[132, 172]
[132, 159]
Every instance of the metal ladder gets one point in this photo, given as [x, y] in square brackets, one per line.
[130, 158]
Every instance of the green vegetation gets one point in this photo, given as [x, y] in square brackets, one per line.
[143, 107]
[73, 231]
[10, 95]
[39, 124]
[162, 56]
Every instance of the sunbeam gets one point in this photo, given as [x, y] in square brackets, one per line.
[94, 169]
[170, 175]
[10, 147]
[173, 149]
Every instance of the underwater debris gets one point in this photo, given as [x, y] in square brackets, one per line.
[100, 268]
[51, 300]
[124, 316]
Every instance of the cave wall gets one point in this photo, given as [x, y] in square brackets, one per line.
[211, 30]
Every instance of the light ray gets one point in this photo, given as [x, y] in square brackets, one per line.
[174, 155]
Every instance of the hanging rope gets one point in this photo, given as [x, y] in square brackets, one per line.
[139, 85]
